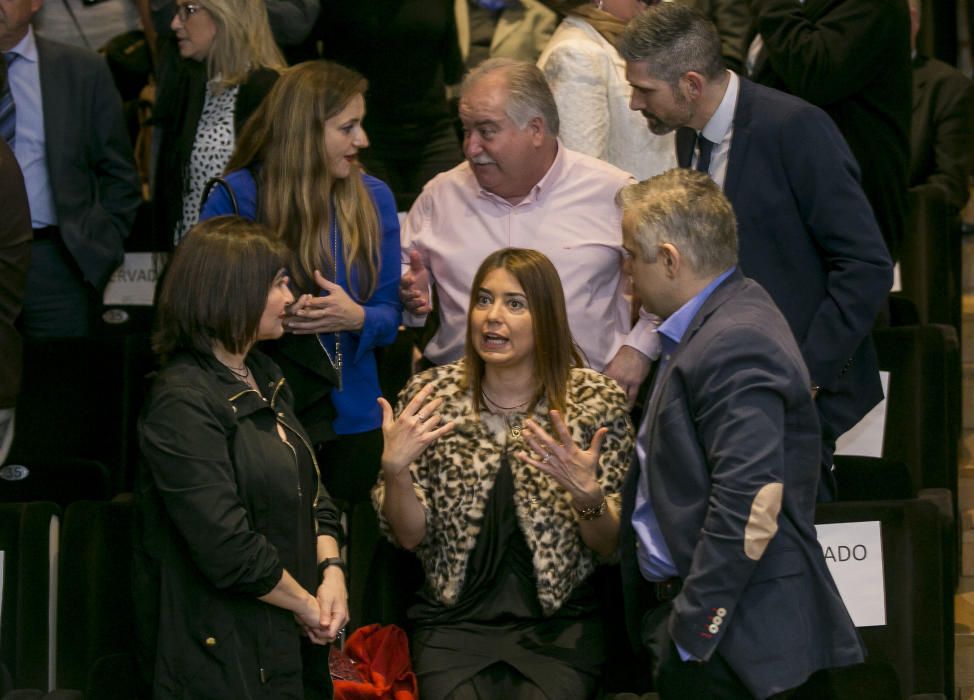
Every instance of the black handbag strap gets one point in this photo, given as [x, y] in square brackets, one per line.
[213, 182]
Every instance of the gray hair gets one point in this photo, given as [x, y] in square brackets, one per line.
[528, 94]
[672, 40]
[686, 209]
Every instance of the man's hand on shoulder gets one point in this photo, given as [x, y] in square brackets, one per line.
[414, 287]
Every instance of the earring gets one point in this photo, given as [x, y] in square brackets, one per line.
[599, 3]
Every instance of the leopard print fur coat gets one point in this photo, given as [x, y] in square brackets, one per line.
[454, 476]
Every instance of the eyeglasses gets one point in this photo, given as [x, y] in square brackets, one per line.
[187, 10]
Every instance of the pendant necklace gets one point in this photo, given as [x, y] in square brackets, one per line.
[336, 361]
[241, 372]
[513, 425]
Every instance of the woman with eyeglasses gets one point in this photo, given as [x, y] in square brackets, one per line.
[237, 579]
[228, 63]
[296, 169]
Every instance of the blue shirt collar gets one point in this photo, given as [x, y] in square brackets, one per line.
[673, 329]
[26, 47]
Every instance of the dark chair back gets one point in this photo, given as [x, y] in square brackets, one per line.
[29, 542]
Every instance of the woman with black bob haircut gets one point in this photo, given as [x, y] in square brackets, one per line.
[237, 577]
[507, 521]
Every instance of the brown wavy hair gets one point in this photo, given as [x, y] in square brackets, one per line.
[555, 351]
[283, 144]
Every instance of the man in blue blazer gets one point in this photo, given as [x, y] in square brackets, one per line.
[807, 232]
[718, 505]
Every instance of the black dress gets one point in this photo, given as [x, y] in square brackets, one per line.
[497, 619]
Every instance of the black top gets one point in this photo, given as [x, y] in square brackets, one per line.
[223, 506]
[498, 618]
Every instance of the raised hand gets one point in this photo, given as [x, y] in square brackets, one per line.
[414, 287]
[573, 468]
[406, 436]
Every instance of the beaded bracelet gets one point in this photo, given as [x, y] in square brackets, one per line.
[591, 512]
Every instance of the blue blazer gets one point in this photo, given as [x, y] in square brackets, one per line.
[732, 414]
[808, 236]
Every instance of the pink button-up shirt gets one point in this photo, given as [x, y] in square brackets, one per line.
[570, 216]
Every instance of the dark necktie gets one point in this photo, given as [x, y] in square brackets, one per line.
[8, 110]
[703, 161]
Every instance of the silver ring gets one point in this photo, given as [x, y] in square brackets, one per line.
[547, 458]
[421, 417]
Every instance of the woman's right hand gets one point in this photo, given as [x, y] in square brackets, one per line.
[406, 436]
[308, 615]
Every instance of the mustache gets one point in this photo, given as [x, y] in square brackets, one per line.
[483, 160]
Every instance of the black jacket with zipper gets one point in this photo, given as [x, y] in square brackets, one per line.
[223, 506]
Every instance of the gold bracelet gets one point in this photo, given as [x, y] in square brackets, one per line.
[591, 512]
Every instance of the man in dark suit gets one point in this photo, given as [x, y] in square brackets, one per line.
[722, 526]
[942, 136]
[807, 232]
[852, 59]
[74, 151]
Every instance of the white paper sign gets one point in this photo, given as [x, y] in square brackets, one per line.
[865, 438]
[854, 553]
[134, 283]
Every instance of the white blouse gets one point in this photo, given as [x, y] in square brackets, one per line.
[588, 78]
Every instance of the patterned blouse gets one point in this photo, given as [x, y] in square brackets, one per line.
[215, 139]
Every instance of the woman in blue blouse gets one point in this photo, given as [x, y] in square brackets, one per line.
[295, 169]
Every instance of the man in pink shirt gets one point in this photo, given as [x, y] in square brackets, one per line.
[520, 187]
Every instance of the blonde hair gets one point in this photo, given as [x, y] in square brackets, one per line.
[243, 41]
[284, 144]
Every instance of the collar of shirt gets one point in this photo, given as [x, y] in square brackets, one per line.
[671, 330]
[536, 193]
[723, 118]
[26, 48]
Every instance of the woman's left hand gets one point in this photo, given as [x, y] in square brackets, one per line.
[333, 312]
[573, 468]
[333, 603]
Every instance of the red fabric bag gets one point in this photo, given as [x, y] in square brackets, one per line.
[381, 659]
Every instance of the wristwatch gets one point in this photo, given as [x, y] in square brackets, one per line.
[331, 561]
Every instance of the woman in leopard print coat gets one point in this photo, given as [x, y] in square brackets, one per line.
[502, 472]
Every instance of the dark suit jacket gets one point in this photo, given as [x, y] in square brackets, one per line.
[15, 236]
[808, 236]
[942, 136]
[852, 59]
[732, 418]
[89, 157]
